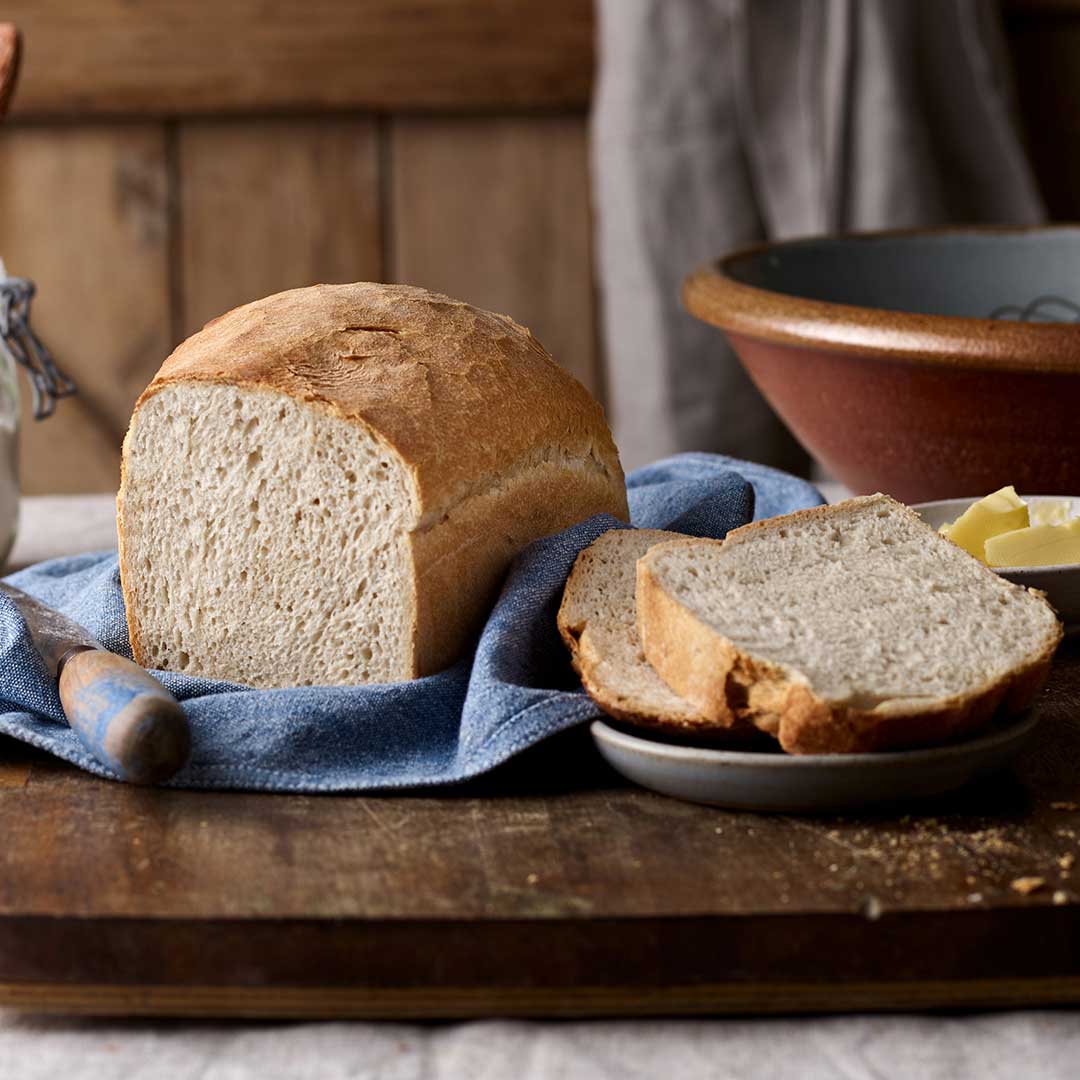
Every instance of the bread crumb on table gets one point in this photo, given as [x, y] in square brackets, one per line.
[1061, 897]
[1064, 806]
[1066, 861]
[1026, 885]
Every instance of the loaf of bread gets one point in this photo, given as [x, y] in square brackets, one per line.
[845, 628]
[327, 486]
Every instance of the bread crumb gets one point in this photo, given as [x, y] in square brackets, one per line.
[872, 908]
[992, 841]
[970, 879]
[1061, 897]
[1066, 861]
[975, 898]
[1064, 806]
[532, 879]
[1026, 885]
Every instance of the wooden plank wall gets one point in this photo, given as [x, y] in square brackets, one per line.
[168, 159]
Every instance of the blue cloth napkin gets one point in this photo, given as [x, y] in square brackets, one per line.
[516, 689]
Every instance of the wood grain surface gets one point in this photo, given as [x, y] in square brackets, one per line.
[84, 213]
[497, 211]
[190, 56]
[271, 205]
[550, 888]
[744, 997]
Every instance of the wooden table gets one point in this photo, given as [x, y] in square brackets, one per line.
[552, 888]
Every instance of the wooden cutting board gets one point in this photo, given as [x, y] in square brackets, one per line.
[552, 889]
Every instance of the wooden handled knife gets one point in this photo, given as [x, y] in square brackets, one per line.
[123, 716]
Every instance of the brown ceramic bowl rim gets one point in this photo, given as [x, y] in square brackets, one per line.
[714, 295]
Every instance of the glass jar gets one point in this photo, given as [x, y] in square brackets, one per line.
[20, 347]
[9, 453]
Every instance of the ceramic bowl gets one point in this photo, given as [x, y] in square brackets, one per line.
[741, 780]
[918, 363]
[1060, 583]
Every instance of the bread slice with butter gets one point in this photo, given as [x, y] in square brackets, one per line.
[845, 628]
[327, 486]
[597, 623]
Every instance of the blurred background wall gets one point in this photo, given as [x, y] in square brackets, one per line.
[166, 160]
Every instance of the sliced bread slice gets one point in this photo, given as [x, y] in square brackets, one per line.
[841, 629]
[596, 620]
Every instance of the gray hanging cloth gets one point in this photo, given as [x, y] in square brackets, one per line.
[721, 123]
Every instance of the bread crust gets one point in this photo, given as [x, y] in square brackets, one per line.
[459, 565]
[419, 369]
[500, 443]
[723, 681]
[588, 658]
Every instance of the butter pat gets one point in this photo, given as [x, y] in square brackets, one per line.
[1002, 512]
[1050, 512]
[1038, 545]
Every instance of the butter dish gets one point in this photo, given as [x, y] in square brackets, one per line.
[1060, 583]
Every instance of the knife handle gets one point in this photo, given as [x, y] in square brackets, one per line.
[126, 719]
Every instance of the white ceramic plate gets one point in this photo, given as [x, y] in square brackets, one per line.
[764, 781]
[1060, 583]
